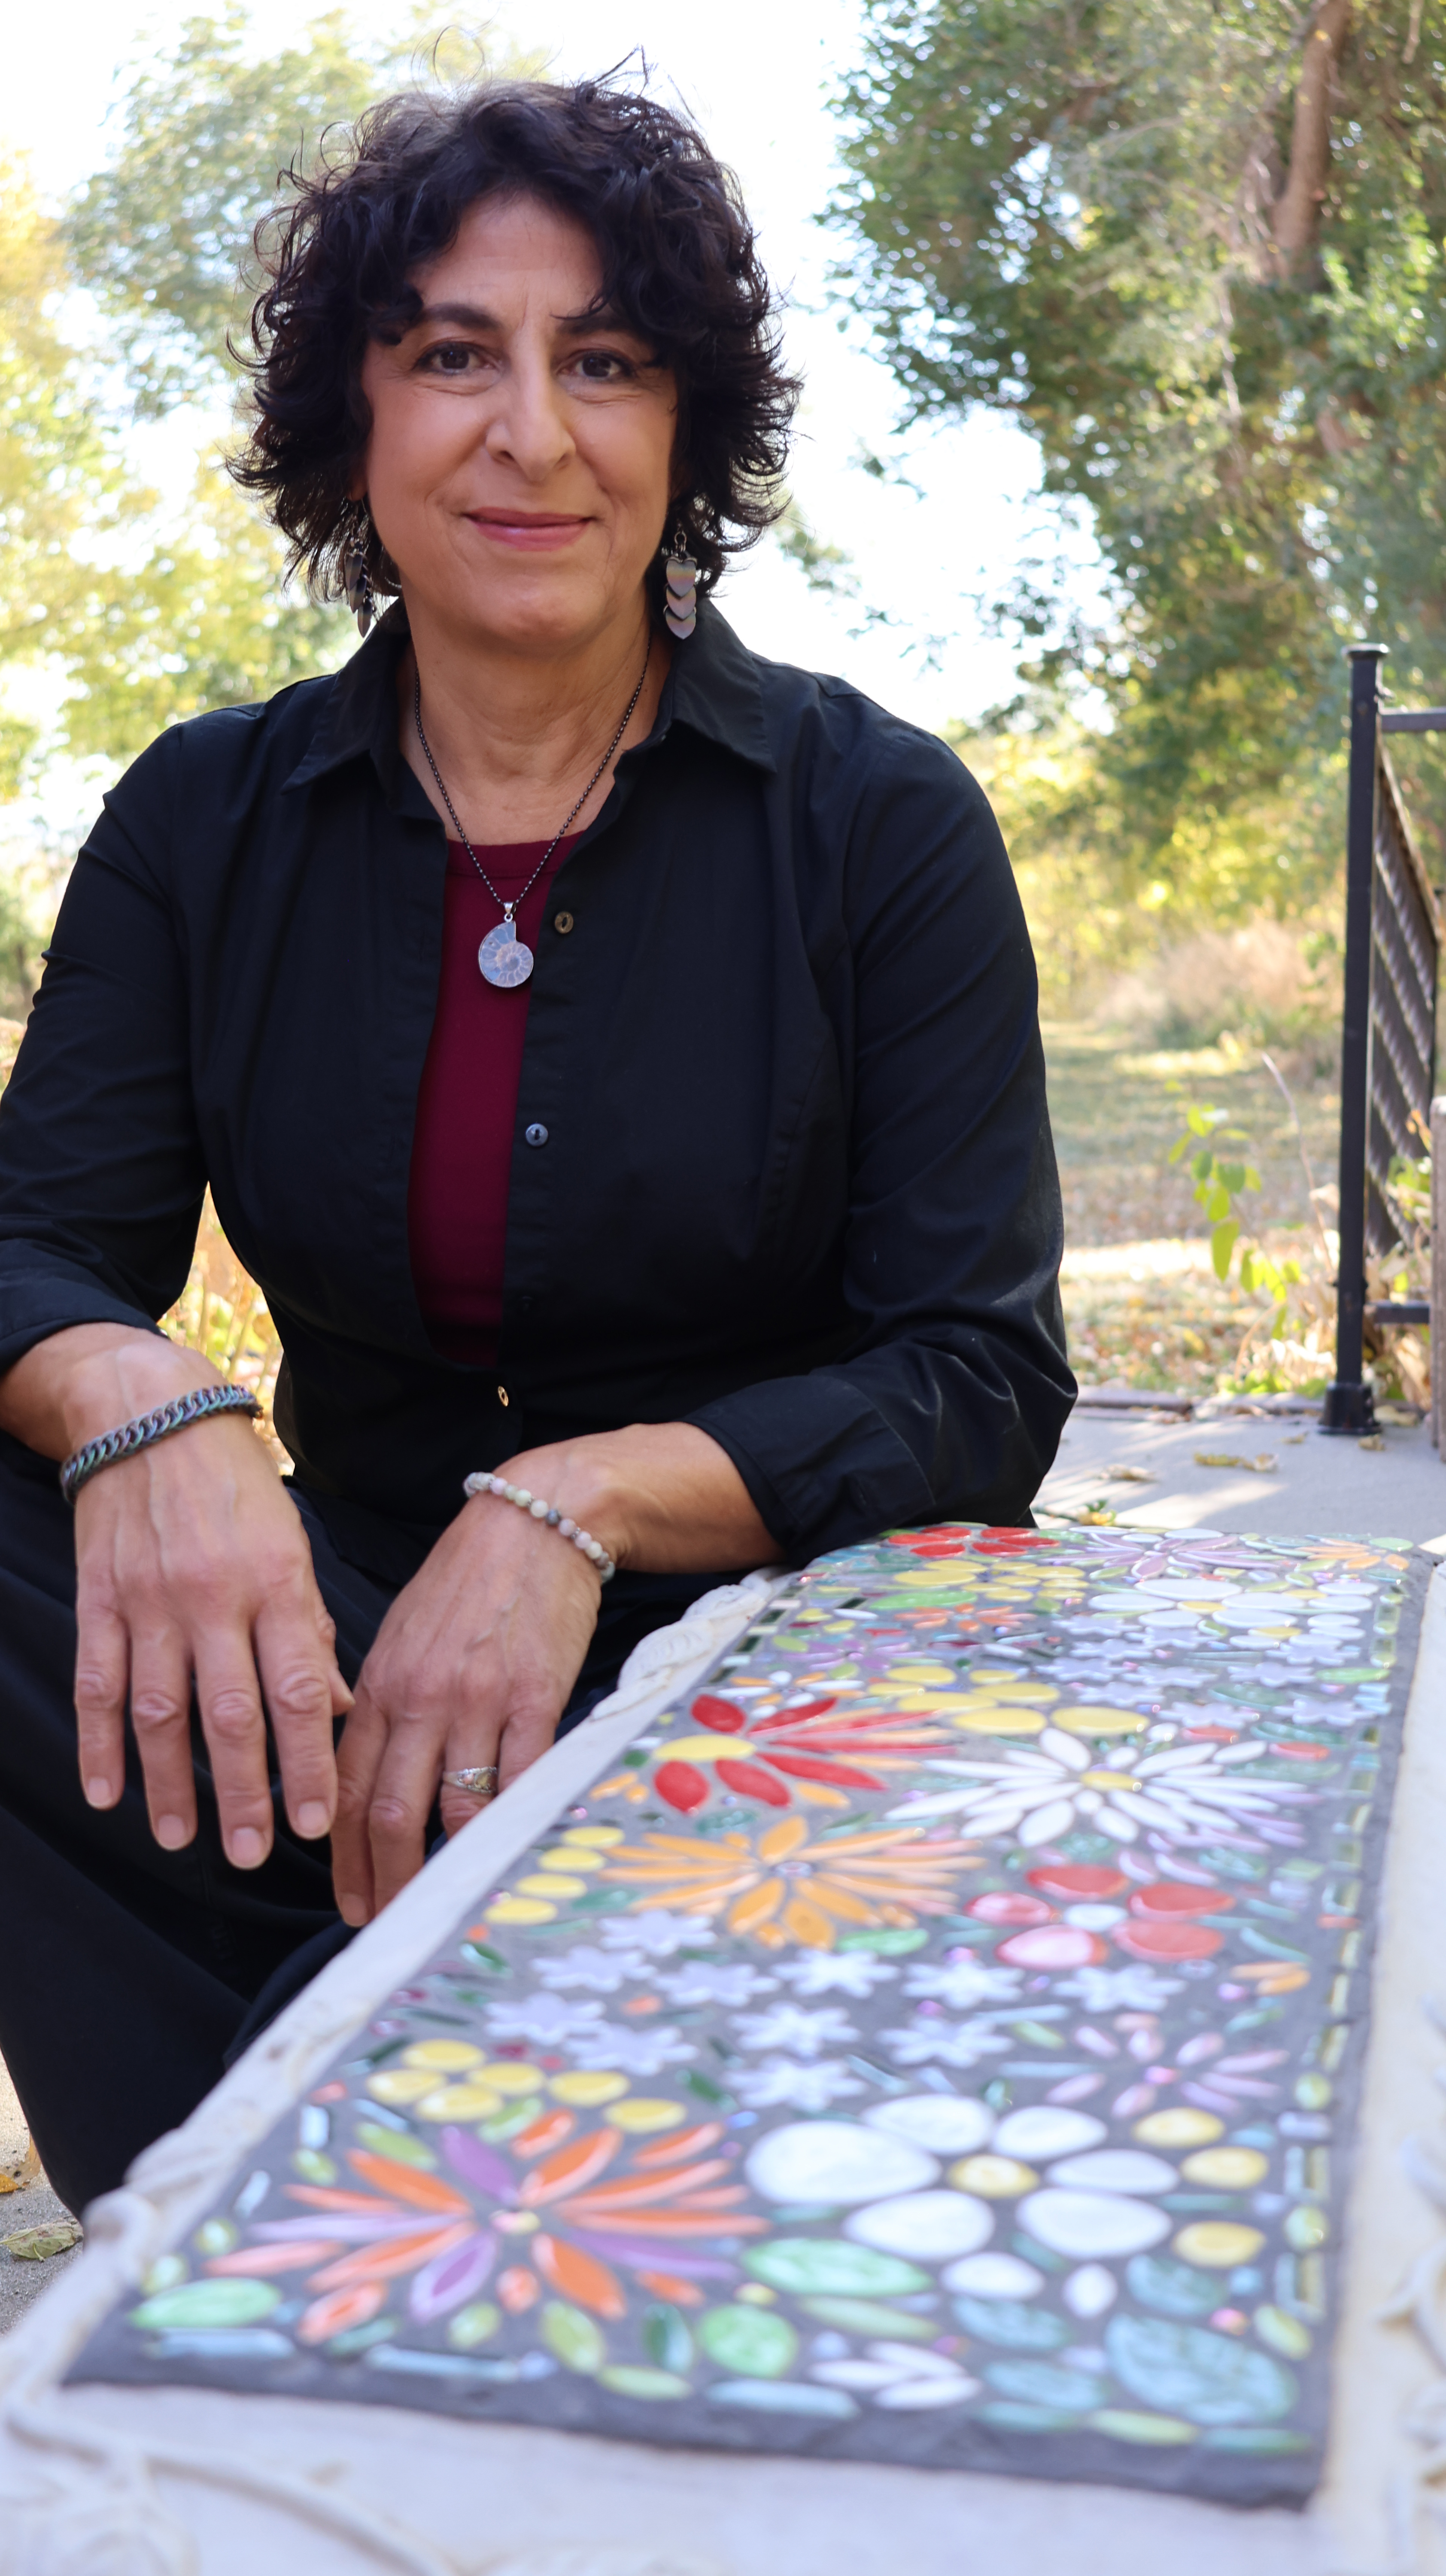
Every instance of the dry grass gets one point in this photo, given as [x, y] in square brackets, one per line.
[1266, 979]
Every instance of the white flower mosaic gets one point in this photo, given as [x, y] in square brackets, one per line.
[835, 1972]
[793, 2028]
[600, 1971]
[650, 2050]
[1038, 1791]
[1106, 1990]
[658, 1936]
[709, 1981]
[962, 1982]
[780, 2082]
[960, 2043]
[545, 2021]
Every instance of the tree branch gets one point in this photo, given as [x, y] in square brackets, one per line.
[1295, 217]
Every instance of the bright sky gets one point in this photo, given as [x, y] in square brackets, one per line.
[758, 77]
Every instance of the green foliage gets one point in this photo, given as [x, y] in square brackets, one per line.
[1220, 1184]
[116, 619]
[60, 482]
[163, 237]
[1079, 212]
[130, 618]
[825, 567]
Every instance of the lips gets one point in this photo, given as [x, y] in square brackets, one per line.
[539, 532]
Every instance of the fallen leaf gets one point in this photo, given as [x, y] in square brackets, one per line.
[1372, 1440]
[1262, 1466]
[8, 2182]
[32, 2244]
[1132, 1476]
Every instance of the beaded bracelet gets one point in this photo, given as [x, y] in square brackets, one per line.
[548, 1514]
[112, 1446]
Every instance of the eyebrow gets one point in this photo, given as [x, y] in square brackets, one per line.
[473, 317]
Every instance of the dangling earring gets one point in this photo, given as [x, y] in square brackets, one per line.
[680, 573]
[355, 570]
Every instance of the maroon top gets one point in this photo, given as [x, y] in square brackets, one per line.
[467, 1105]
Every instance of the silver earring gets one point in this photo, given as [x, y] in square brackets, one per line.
[355, 570]
[680, 574]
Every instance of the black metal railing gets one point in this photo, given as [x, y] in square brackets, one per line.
[1388, 1032]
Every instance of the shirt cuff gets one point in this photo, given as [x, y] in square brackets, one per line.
[822, 1466]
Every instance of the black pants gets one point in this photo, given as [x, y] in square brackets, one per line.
[132, 1973]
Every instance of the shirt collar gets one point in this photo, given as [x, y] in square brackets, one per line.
[714, 687]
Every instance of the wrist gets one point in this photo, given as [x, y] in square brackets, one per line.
[580, 1487]
[540, 1513]
[108, 1388]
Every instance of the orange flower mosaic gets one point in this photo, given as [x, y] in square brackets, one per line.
[785, 1885]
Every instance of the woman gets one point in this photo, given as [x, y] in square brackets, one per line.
[727, 1233]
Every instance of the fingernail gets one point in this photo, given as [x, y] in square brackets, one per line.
[98, 1792]
[312, 1819]
[171, 1833]
[352, 1910]
[247, 1847]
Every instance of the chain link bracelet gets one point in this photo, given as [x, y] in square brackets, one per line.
[548, 1514]
[147, 1428]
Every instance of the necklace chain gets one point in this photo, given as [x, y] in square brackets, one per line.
[510, 910]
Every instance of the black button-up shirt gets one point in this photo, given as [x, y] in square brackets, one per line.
[795, 1184]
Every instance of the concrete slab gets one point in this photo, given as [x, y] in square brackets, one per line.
[1289, 1479]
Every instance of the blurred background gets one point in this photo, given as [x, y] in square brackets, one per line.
[1121, 331]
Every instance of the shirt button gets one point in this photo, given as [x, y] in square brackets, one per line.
[502, 1395]
[562, 921]
[535, 1135]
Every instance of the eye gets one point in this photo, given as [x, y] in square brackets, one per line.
[449, 358]
[603, 366]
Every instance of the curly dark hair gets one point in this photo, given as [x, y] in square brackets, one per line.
[679, 268]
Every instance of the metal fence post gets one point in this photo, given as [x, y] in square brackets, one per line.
[1349, 1405]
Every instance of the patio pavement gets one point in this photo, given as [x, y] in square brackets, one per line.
[1288, 1476]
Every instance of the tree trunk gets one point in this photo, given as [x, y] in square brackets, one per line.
[1295, 219]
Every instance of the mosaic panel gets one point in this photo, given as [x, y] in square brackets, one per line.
[935, 2042]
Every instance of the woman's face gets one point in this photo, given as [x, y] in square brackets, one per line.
[520, 462]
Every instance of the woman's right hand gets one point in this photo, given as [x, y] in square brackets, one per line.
[192, 1566]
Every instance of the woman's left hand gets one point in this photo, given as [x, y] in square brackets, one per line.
[475, 1661]
[473, 1664]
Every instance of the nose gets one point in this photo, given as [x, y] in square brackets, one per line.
[528, 428]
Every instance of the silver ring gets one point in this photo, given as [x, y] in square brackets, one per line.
[480, 1783]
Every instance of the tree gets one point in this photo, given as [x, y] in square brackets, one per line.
[60, 481]
[132, 615]
[1196, 247]
[163, 236]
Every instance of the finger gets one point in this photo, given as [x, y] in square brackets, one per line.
[161, 1721]
[341, 1693]
[235, 1730]
[358, 1760]
[528, 1734]
[406, 1785]
[298, 1679]
[459, 1806]
[102, 1677]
